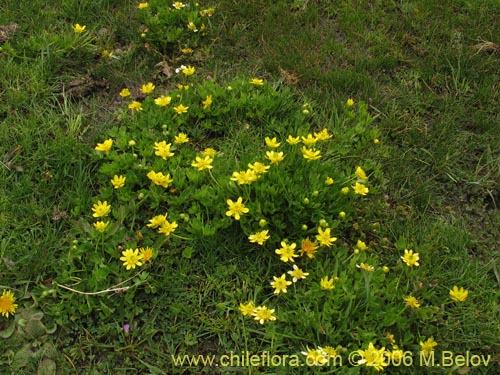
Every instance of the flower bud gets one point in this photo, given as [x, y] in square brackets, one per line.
[262, 223]
[385, 269]
[304, 227]
[342, 214]
[306, 200]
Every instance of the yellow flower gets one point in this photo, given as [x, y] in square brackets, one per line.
[188, 71]
[297, 274]
[315, 357]
[258, 167]
[259, 237]
[272, 142]
[280, 284]
[162, 149]
[390, 338]
[101, 226]
[360, 245]
[458, 295]
[373, 357]
[329, 181]
[178, 5]
[187, 50]
[412, 302]
[148, 88]
[365, 267]
[182, 87]
[7, 305]
[163, 101]
[376, 141]
[324, 238]
[286, 252]
[263, 314]
[104, 146]
[345, 190]
[350, 102]
[308, 247]
[323, 135]
[310, 154]
[427, 347]
[207, 102]
[79, 28]
[131, 258]
[209, 152]
[247, 309]
[256, 81]
[180, 109]
[328, 284]
[101, 209]
[309, 140]
[191, 26]
[159, 178]
[181, 138]
[237, 208]
[342, 214]
[142, 5]
[360, 189]
[135, 105]
[274, 157]
[202, 163]
[157, 221]
[410, 258]
[293, 140]
[125, 92]
[167, 228]
[244, 177]
[209, 12]
[146, 253]
[118, 181]
[360, 173]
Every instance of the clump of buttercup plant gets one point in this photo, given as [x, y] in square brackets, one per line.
[174, 25]
[287, 193]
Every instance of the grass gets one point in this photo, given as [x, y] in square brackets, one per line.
[436, 95]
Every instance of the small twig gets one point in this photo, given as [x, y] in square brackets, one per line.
[116, 290]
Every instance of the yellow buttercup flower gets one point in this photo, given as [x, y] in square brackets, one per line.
[101, 209]
[328, 284]
[360, 245]
[104, 146]
[360, 173]
[373, 357]
[7, 305]
[323, 135]
[131, 258]
[101, 226]
[180, 109]
[365, 267]
[272, 142]
[297, 274]
[324, 237]
[163, 101]
[280, 284]
[135, 106]
[259, 237]
[410, 258]
[458, 295]
[244, 177]
[310, 154]
[237, 208]
[286, 252]
[209, 152]
[142, 5]
[181, 138]
[148, 88]
[167, 228]
[160, 179]
[188, 71]
[256, 81]
[315, 357]
[118, 181]
[427, 347]
[207, 102]
[162, 149]
[125, 92]
[308, 248]
[329, 181]
[259, 167]
[202, 163]
[157, 221]
[263, 314]
[274, 157]
[350, 102]
[146, 253]
[293, 140]
[178, 5]
[187, 50]
[309, 140]
[79, 28]
[412, 302]
[360, 189]
[247, 308]
[192, 26]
